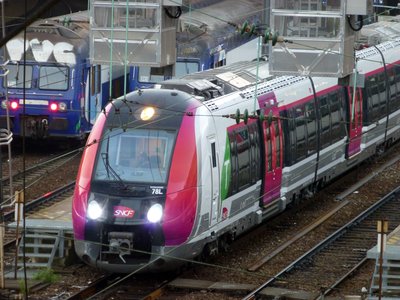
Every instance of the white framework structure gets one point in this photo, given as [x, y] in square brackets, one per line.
[133, 32]
[319, 38]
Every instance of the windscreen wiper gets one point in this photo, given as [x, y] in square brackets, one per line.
[111, 171]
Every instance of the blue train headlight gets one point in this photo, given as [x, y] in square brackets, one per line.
[62, 106]
[4, 104]
[94, 210]
[155, 213]
[58, 106]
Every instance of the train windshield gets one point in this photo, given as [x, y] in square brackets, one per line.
[53, 78]
[15, 76]
[136, 155]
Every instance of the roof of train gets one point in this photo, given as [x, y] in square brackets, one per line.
[379, 32]
[70, 26]
[234, 77]
[205, 16]
[63, 36]
[242, 76]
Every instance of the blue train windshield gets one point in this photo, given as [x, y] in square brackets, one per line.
[135, 155]
[15, 76]
[53, 78]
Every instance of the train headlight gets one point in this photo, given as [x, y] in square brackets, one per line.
[62, 106]
[155, 213]
[94, 210]
[147, 113]
[4, 104]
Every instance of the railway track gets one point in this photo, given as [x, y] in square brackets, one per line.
[32, 175]
[123, 290]
[126, 287]
[348, 246]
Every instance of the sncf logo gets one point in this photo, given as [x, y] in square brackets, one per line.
[123, 212]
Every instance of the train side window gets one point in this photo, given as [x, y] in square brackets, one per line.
[243, 154]
[335, 117]
[284, 116]
[257, 150]
[234, 164]
[311, 128]
[373, 99]
[393, 105]
[214, 156]
[325, 121]
[341, 95]
[240, 159]
[269, 148]
[277, 145]
[254, 152]
[185, 67]
[83, 78]
[382, 94]
[300, 132]
[92, 80]
[98, 79]
[397, 79]
[292, 137]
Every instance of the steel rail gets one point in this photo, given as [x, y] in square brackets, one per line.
[328, 241]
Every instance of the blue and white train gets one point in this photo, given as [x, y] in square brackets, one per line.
[52, 90]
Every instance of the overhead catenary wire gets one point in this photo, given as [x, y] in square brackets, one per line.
[24, 80]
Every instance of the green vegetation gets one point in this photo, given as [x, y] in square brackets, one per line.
[46, 275]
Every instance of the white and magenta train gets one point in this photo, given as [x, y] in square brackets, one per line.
[171, 172]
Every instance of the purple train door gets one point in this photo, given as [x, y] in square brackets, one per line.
[272, 137]
[355, 124]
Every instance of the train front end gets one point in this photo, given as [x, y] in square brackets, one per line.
[135, 200]
[42, 86]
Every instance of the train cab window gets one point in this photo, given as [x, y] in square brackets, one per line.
[15, 76]
[53, 78]
[135, 155]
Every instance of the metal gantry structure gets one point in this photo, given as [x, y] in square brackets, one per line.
[134, 32]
